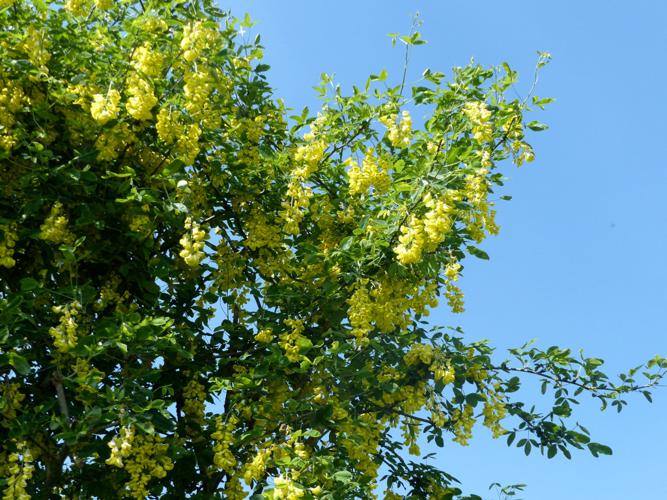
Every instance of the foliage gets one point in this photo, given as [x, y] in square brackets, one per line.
[201, 297]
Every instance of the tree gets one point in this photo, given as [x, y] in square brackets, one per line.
[203, 297]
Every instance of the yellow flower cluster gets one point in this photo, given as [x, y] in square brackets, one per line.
[147, 61]
[192, 243]
[463, 422]
[316, 125]
[399, 134]
[309, 156]
[481, 217]
[144, 457]
[105, 107]
[142, 98]
[360, 438]
[264, 336]
[479, 116]
[188, 143]
[109, 294]
[197, 89]
[77, 7]
[54, 229]
[196, 39]
[257, 467]
[409, 398]
[419, 353]
[19, 470]
[286, 489]
[168, 125]
[36, 46]
[7, 245]
[435, 360]
[121, 446]
[65, 334]
[289, 341]
[443, 371]
[88, 379]
[12, 398]
[494, 412]
[411, 242]
[140, 224]
[453, 293]
[229, 268]
[296, 202]
[194, 395]
[522, 152]
[424, 235]
[298, 195]
[372, 173]
[410, 435]
[254, 129]
[387, 305]
[11, 99]
[437, 221]
[261, 232]
[234, 489]
[111, 143]
[223, 458]
[151, 24]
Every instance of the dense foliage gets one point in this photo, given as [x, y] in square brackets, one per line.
[201, 297]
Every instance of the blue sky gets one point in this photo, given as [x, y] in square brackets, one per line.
[579, 261]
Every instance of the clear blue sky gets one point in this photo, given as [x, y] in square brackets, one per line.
[580, 260]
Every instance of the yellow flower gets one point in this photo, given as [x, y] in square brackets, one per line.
[373, 173]
[36, 45]
[7, 245]
[54, 229]
[193, 243]
[65, 335]
[20, 468]
[147, 60]
[142, 456]
[105, 107]
[194, 395]
[399, 134]
[142, 99]
[264, 336]
[196, 39]
[479, 116]
[77, 7]
[411, 242]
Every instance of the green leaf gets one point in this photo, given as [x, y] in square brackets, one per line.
[527, 448]
[537, 126]
[597, 449]
[480, 254]
[29, 284]
[343, 476]
[19, 363]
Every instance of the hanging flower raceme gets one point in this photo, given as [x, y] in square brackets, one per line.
[399, 134]
[192, 243]
[105, 107]
[479, 116]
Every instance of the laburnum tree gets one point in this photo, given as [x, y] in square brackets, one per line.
[203, 297]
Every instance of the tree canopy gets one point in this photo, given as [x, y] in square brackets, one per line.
[202, 296]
